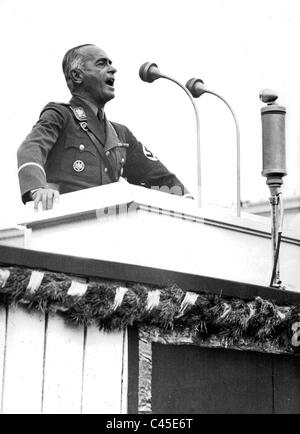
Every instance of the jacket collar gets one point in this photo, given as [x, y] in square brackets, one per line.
[111, 140]
[93, 107]
[92, 120]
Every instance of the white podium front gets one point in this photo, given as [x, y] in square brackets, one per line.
[134, 225]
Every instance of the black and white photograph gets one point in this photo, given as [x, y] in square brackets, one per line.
[150, 210]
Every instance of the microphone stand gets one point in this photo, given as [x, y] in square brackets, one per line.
[197, 88]
[199, 179]
[238, 153]
[277, 224]
[149, 72]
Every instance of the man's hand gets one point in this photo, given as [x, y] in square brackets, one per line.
[47, 196]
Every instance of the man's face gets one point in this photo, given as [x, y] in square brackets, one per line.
[97, 76]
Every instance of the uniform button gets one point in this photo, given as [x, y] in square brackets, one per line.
[81, 147]
[107, 153]
[105, 170]
[123, 160]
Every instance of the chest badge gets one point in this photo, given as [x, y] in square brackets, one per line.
[78, 166]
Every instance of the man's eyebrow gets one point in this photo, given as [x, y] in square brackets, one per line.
[101, 59]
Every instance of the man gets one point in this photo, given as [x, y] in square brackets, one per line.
[73, 146]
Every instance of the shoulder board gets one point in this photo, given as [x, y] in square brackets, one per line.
[57, 106]
[117, 127]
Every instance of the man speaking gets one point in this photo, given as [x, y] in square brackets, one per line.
[74, 146]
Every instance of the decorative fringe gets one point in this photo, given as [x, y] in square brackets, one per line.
[112, 307]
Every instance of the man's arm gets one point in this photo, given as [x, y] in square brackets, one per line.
[143, 168]
[32, 155]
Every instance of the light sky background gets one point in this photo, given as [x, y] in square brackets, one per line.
[237, 47]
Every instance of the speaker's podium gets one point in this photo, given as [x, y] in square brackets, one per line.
[134, 300]
[133, 225]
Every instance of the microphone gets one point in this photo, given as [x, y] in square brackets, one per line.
[197, 88]
[149, 72]
[274, 169]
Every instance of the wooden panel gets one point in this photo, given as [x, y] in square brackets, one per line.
[24, 363]
[63, 368]
[286, 384]
[2, 349]
[187, 379]
[103, 372]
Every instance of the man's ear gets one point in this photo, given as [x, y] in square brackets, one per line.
[76, 75]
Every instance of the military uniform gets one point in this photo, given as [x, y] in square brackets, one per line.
[60, 151]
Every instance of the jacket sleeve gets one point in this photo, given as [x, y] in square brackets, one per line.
[33, 152]
[143, 168]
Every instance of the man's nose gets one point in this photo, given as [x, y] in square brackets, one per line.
[112, 69]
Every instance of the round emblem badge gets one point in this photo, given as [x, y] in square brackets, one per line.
[78, 166]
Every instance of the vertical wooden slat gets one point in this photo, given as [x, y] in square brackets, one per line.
[63, 368]
[83, 366]
[124, 379]
[2, 349]
[133, 369]
[103, 371]
[24, 362]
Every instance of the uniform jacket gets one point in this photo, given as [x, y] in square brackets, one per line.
[58, 151]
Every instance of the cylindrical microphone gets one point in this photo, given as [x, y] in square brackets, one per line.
[273, 139]
[196, 87]
[149, 72]
[274, 168]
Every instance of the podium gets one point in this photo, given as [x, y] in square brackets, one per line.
[126, 233]
[124, 223]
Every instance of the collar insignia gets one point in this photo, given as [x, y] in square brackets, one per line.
[79, 113]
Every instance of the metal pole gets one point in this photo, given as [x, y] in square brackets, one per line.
[277, 213]
[274, 219]
[238, 153]
[199, 172]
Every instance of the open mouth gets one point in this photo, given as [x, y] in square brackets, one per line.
[110, 82]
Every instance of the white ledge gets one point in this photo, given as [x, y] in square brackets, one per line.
[11, 232]
[84, 203]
